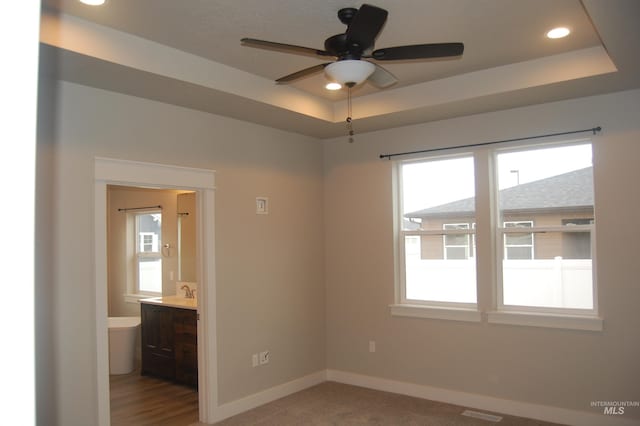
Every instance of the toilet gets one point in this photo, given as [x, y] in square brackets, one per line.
[123, 335]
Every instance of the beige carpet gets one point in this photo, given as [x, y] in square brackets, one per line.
[333, 403]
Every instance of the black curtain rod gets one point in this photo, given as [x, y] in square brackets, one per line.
[140, 208]
[594, 130]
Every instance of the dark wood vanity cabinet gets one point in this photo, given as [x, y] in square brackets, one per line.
[169, 343]
[185, 340]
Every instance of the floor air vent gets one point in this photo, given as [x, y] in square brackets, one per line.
[483, 416]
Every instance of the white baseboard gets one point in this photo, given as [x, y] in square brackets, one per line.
[481, 402]
[504, 406]
[257, 399]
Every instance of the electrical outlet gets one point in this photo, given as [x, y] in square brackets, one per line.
[254, 360]
[372, 345]
[264, 357]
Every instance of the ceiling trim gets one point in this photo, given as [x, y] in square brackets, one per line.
[77, 35]
[523, 75]
[87, 38]
[83, 52]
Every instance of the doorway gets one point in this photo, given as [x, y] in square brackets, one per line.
[152, 253]
[149, 175]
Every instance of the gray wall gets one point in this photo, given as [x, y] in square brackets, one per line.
[562, 368]
[312, 280]
[270, 268]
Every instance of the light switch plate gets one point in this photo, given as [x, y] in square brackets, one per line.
[262, 205]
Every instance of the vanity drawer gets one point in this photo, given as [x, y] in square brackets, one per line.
[185, 325]
[158, 365]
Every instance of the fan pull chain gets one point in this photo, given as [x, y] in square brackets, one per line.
[349, 115]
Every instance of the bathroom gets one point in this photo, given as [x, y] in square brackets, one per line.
[151, 246]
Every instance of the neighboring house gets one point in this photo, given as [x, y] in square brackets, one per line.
[558, 200]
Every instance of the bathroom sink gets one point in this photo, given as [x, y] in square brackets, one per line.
[173, 301]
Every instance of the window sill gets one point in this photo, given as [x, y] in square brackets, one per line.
[571, 322]
[135, 298]
[436, 312]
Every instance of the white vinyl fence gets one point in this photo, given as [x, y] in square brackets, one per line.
[556, 283]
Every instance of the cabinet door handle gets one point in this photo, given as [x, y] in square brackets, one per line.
[167, 349]
[151, 346]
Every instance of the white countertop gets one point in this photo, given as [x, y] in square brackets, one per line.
[173, 301]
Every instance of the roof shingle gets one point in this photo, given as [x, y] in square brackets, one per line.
[569, 190]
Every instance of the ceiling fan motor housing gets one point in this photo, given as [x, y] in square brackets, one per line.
[347, 14]
[339, 46]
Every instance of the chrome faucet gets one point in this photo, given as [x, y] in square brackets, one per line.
[189, 294]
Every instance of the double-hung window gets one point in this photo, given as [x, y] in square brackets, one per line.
[148, 255]
[537, 223]
[547, 217]
[437, 212]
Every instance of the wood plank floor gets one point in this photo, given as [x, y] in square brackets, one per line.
[142, 400]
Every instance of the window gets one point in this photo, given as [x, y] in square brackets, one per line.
[456, 246]
[438, 209]
[576, 245]
[148, 256]
[552, 182]
[148, 242]
[538, 230]
[518, 245]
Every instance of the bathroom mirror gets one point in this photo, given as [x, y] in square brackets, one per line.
[186, 207]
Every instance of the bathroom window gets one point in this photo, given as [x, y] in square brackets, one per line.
[148, 256]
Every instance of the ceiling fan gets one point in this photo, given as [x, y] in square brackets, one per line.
[354, 49]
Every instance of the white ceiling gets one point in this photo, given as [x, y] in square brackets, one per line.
[188, 53]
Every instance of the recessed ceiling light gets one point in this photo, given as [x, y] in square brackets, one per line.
[558, 32]
[333, 86]
[93, 2]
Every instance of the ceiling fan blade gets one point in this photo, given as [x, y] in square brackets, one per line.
[419, 51]
[287, 48]
[366, 26]
[302, 73]
[382, 78]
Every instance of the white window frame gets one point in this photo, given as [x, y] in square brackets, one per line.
[572, 318]
[139, 254]
[490, 305]
[418, 308]
[501, 307]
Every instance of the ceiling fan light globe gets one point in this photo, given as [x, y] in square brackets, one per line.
[333, 86]
[349, 71]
